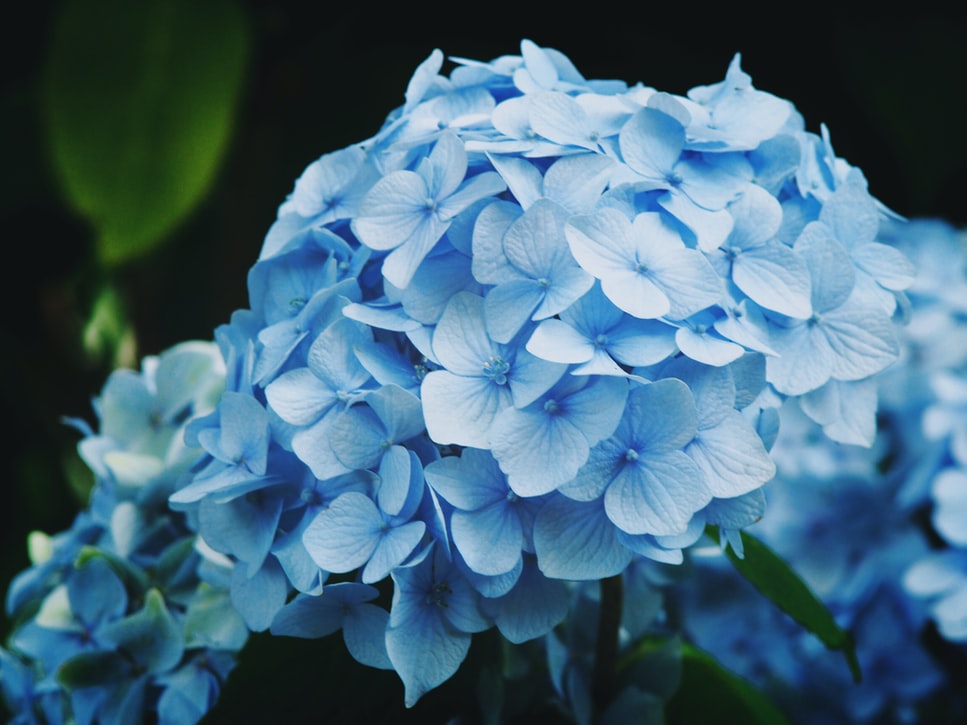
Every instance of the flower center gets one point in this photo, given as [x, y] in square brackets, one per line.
[496, 368]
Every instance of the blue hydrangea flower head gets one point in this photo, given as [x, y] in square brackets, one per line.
[535, 330]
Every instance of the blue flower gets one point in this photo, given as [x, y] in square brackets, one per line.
[539, 278]
[490, 524]
[644, 266]
[408, 211]
[480, 377]
[542, 445]
[434, 613]
[649, 484]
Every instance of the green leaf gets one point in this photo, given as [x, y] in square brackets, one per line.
[772, 576]
[139, 100]
[711, 693]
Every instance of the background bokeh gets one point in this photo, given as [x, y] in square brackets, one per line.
[303, 79]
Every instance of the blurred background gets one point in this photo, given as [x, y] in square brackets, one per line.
[147, 145]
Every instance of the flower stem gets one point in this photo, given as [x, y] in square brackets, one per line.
[606, 654]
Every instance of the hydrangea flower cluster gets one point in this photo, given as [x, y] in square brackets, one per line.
[933, 417]
[878, 533]
[533, 331]
[851, 537]
[126, 612]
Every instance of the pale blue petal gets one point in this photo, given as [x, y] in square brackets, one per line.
[356, 437]
[636, 294]
[400, 482]
[658, 494]
[577, 541]
[713, 180]
[241, 527]
[604, 462]
[887, 265]
[481, 186]
[489, 539]
[537, 451]
[469, 481]
[532, 608]
[651, 143]
[509, 305]
[392, 549]
[713, 388]
[707, 348]
[559, 118]
[602, 242]
[312, 447]
[804, 361]
[710, 227]
[659, 417]
[559, 342]
[489, 263]
[299, 397]
[399, 410]
[830, 267]
[392, 210]
[444, 169]
[400, 265]
[638, 343]
[312, 617]
[846, 410]
[364, 631]
[522, 177]
[460, 340]
[732, 457]
[776, 278]
[436, 281]
[260, 597]
[862, 341]
[461, 410]
[576, 181]
[342, 537]
[530, 377]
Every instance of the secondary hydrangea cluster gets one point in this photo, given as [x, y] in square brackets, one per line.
[850, 536]
[533, 330]
[126, 615]
[933, 416]
[878, 533]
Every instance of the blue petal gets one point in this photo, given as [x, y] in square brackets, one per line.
[343, 537]
[577, 541]
[532, 608]
[258, 598]
[489, 539]
[393, 548]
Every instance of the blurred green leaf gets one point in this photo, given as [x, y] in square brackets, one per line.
[772, 576]
[139, 100]
[711, 693]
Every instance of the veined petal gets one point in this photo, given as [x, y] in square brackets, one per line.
[575, 540]
[392, 210]
[343, 537]
[490, 539]
[461, 410]
[658, 494]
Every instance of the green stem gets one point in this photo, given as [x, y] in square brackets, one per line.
[606, 654]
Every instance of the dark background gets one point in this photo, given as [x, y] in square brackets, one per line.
[323, 75]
